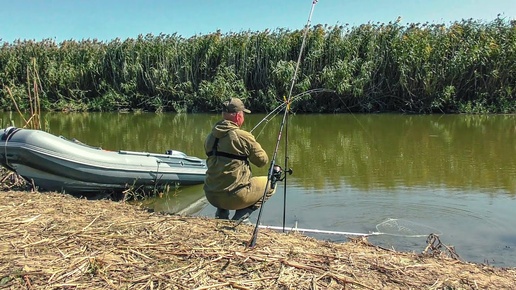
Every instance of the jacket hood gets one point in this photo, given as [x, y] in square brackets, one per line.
[223, 127]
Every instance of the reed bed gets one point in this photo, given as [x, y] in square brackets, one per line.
[461, 67]
[51, 241]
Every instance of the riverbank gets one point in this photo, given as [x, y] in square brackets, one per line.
[53, 241]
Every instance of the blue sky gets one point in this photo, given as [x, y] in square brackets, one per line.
[108, 19]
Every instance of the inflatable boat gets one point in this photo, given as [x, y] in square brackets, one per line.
[54, 163]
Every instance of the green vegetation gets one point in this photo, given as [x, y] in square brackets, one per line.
[464, 67]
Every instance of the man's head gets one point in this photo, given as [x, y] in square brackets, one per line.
[233, 110]
[234, 105]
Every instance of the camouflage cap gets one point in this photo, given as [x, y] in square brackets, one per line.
[234, 105]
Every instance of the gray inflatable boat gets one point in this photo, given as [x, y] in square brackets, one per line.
[57, 164]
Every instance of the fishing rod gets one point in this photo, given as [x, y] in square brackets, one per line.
[275, 170]
[277, 110]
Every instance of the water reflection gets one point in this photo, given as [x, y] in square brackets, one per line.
[392, 151]
[331, 151]
[187, 200]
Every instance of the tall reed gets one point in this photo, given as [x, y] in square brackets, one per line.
[33, 88]
[463, 67]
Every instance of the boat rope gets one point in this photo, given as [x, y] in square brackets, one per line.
[8, 134]
[156, 180]
[284, 125]
[5, 154]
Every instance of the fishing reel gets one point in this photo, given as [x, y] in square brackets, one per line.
[278, 174]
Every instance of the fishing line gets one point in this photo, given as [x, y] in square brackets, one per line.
[265, 120]
[390, 227]
[284, 122]
[404, 228]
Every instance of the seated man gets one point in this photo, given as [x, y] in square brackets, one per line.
[229, 184]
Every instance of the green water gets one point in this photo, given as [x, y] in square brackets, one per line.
[453, 173]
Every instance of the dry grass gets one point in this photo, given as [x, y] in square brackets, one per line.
[50, 241]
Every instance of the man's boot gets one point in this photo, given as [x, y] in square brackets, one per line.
[242, 214]
[222, 214]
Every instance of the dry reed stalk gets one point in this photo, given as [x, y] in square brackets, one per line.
[53, 241]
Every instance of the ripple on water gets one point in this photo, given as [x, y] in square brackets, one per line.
[479, 226]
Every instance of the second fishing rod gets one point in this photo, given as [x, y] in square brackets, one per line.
[274, 173]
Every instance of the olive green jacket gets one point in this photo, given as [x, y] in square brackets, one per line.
[227, 174]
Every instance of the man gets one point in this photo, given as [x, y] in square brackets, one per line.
[229, 184]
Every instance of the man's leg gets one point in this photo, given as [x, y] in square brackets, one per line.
[258, 184]
[255, 195]
[222, 214]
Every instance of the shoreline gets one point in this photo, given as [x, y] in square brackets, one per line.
[52, 240]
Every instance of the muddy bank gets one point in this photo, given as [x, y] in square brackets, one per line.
[52, 241]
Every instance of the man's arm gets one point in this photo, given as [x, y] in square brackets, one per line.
[256, 154]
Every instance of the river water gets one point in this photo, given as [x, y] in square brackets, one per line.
[454, 175]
